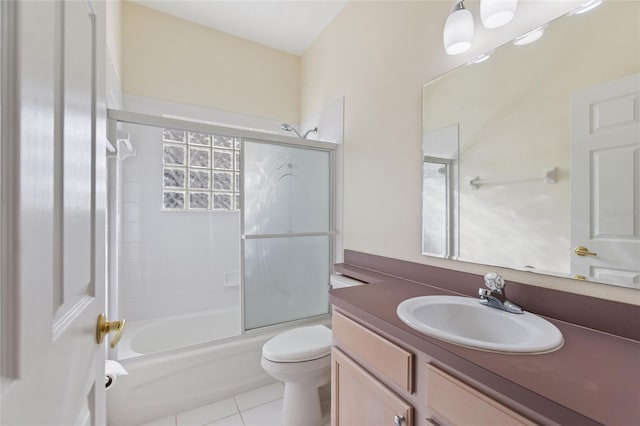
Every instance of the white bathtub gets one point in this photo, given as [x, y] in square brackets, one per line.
[168, 381]
[163, 334]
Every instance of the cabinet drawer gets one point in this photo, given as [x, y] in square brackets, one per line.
[395, 363]
[460, 404]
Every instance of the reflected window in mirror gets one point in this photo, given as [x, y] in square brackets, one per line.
[440, 193]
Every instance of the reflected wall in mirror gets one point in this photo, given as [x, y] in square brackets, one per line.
[531, 159]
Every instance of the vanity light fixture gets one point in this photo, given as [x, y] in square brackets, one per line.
[585, 7]
[530, 37]
[458, 30]
[496, 13]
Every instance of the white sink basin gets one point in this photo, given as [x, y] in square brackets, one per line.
[464, 321]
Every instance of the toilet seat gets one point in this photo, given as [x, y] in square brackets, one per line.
[299, 345]
[303, 369]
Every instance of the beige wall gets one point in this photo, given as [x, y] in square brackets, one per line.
[114, 53]
[378, 55]
[169, 58]
[114, 31]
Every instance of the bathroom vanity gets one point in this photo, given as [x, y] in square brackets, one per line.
[384, 372]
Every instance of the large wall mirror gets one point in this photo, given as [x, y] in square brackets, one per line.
[531, 158]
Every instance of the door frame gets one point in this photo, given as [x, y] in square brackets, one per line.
[449, 164]
[9, 164]
[332, 150]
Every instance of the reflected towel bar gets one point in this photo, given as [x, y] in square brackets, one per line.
[550, 176]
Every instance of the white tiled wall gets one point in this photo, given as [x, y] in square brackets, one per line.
[177, 110]
[171, 262]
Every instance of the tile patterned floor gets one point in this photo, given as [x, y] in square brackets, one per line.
[258, 407]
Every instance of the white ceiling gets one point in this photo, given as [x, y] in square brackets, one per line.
[291, 25]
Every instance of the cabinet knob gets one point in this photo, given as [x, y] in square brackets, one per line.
[398, 420]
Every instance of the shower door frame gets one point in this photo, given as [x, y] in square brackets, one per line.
[331, 149]
[115, 116]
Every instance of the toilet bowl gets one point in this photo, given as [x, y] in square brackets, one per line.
[301, 358]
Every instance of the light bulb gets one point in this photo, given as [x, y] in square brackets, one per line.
[585, 7]
[481, 58]
[496, 13]
[458, 30]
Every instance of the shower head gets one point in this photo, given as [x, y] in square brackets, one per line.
[288, 128]
[314, 131]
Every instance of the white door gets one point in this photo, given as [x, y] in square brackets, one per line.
[605, 182]
[52, 213]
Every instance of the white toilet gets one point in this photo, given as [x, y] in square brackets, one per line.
[301, 358]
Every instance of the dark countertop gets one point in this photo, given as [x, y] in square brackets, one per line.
[594, 378]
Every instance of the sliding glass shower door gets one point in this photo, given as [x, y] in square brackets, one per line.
[287, 239]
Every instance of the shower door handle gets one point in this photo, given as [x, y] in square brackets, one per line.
[105, 327]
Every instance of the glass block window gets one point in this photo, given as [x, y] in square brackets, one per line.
[200, 171]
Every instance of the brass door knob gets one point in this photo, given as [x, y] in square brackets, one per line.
[104, 327]
[583, 251]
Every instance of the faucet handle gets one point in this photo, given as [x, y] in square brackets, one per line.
[494, 281]
[484, 293]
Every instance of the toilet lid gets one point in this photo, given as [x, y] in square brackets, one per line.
[299, 344]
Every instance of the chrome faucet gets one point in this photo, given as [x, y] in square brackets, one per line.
[496, 297]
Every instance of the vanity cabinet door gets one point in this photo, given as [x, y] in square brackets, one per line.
[358, 398]
[456, 403]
